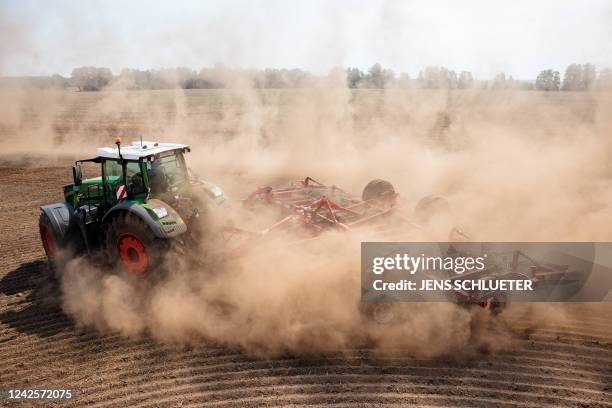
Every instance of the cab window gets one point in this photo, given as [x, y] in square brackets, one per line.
[113, 174]
[166, 173]
[134, 178]
[112, 177]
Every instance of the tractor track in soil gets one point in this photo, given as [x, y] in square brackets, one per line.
[562, 365]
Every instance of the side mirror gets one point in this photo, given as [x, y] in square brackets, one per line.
[77, 174]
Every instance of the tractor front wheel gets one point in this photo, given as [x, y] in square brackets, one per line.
[51, 243]
[59, 249]
[132, 247]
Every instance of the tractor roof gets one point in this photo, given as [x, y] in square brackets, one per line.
[137, 150]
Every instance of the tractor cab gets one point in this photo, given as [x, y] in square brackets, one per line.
[134, 173]
[143, 196]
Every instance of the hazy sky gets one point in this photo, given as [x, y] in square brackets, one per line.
[483, 36]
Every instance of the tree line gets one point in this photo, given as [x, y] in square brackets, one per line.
[92, 78]
[577, 77]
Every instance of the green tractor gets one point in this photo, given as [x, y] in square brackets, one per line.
[143, 200]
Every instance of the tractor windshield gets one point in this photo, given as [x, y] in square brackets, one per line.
[167, 172]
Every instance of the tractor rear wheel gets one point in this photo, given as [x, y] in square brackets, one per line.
[131, 246]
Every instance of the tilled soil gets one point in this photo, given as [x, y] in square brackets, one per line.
[42, 347]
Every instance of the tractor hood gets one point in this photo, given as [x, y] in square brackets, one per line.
[166, 219]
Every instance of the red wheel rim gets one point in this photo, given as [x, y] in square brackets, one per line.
[133, 254]
[47, 239]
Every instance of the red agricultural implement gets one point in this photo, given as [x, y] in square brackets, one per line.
[317, 207]
[552, 281]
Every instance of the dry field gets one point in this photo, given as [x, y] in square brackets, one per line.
[565, 361]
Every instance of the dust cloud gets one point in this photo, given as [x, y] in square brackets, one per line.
[515, 166]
